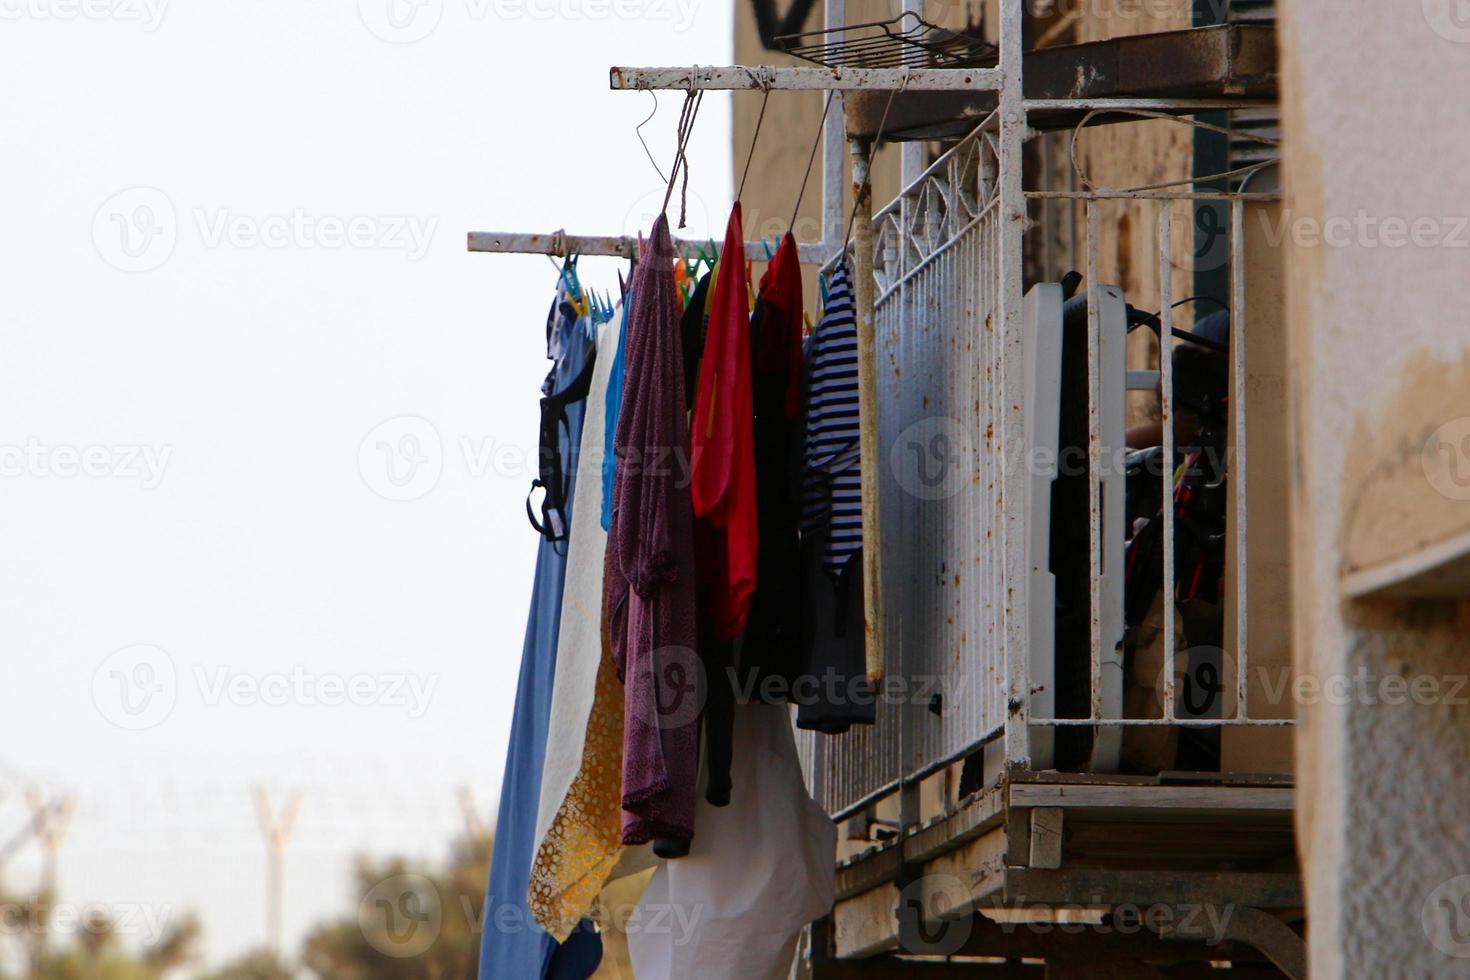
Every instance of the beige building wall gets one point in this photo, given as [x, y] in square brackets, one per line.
[790, 126]
[1380, 362]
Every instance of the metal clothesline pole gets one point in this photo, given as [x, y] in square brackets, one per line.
[741, 77]
[616, 246]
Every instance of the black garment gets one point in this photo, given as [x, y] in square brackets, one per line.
[554, 523]
[717, 657]
[693, 326]
[831, 692]
[770, 645]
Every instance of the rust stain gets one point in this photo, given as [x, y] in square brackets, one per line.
[1401, 481]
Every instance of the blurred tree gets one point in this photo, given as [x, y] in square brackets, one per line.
[93, 948]
[410, 923]
[260, 964]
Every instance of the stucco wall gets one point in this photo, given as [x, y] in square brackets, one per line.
[1378, 337]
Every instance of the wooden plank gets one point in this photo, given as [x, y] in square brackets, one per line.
[1164, 778]
[982, 813]
[1200, 62]
[1216, 798]
[889, 968]
[869, 870]
[958, 881]
[1245, 842]
[1226, 60]
[867, 924]
[1050, 939]
[1177, 888]
[1046, 837]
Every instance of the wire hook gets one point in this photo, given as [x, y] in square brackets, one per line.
[638, 131]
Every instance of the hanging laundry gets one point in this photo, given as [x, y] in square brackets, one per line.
[768, 653]
[722, 477]
[759, 872]
[693, 325]
[578, 836]
[722, 454]
[832, 486]
[833, 641]
[512, 945]
[611, 403]
[650, 579]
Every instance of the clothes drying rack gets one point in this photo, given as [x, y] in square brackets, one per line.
[1001, 76]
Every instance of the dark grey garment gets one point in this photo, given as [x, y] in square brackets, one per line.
[832, 691]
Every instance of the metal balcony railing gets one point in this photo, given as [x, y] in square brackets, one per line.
[944, 508]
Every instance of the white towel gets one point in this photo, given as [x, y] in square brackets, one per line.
[758, 871]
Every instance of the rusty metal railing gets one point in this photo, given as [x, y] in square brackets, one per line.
[946, 498]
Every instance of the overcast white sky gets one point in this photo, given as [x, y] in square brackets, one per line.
[232, 243]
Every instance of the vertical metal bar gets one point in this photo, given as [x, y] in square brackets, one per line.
[1237, 471]
[911, 162]
[1166, 416]
[1094, 466]
[1010, 274]
[868, 410]
[834, 137]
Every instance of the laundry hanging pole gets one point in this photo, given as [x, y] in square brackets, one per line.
[769, 78]
[833, 162]
[616, 246]
[1003, 80]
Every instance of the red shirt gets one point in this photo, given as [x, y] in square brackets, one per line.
[778, 348]
[722, 446]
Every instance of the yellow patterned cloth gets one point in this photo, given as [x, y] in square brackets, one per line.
[585, 840]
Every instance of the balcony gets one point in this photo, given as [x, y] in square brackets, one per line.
[1055, 743]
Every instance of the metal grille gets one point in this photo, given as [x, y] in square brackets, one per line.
[938, 364]
[906, 41]
[1234, 708]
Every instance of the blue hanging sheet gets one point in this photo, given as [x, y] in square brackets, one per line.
[512, 945]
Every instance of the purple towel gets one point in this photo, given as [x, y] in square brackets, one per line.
[650, 564]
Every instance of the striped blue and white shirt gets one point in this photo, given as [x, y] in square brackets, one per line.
[832, 475]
